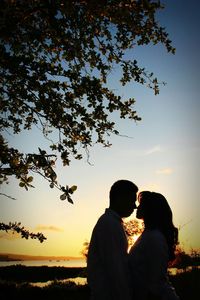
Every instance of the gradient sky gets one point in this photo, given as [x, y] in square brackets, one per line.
[161, 153]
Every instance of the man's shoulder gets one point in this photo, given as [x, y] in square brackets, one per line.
[110, 216]
[108, 219]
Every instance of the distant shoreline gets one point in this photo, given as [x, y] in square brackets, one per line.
[23, 257]
[20, 273]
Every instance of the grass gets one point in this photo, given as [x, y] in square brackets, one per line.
[20, 273]
[67, 291]
[187, 284]
[15, 283]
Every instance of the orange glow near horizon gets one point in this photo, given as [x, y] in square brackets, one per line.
[160, 153]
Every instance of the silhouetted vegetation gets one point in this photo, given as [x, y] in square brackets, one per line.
[184, 260]
[15, 282]
[20, 273]
[16, 227]
[56, 61]
[187, 284]
[57, 290]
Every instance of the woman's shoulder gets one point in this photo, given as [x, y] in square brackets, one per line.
[153, 233]
[154, 236]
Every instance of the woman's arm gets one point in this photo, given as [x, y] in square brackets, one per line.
[156, 263]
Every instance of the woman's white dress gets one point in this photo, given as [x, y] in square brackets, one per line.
[148, 260]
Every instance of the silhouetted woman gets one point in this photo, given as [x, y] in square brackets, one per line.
[153, 250]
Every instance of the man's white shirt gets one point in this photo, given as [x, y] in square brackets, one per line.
[107, 264]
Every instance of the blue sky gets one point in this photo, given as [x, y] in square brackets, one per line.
[161, 153]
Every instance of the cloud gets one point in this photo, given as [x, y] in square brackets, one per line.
[154, 149]
[12, 235]
[166, 171]
[48, 228]
[9, 236]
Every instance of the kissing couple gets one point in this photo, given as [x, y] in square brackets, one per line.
[113, 272]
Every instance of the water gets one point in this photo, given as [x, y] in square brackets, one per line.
[79, 262]
[76, 280]
[175, 271]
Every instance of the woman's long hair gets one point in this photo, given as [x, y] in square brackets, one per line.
[156, 213]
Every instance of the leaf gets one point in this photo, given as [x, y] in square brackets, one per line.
[30, 179]
[72, 189]
[69, 199]
[63, 197]
[21, 184]
[51, 185]
[30, 185]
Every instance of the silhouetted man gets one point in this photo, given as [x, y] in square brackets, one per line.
[107, 264]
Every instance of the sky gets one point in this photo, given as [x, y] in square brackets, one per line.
[160, 153]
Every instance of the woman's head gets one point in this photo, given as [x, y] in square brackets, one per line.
[153, 209]
[156, 213]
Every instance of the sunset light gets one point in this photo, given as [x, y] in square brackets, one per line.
[160, 153]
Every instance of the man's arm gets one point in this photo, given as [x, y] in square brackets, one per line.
[115, 260]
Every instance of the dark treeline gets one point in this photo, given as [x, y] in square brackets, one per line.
[15, 283]
[20, 273]
[56, 290]
[184, 260]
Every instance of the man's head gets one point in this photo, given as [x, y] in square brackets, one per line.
[123, 197]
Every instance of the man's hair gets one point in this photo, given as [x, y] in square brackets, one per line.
[121, 188]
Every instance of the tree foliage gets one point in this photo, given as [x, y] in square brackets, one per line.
[133, 229]
[17, 228]
[55, 60]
